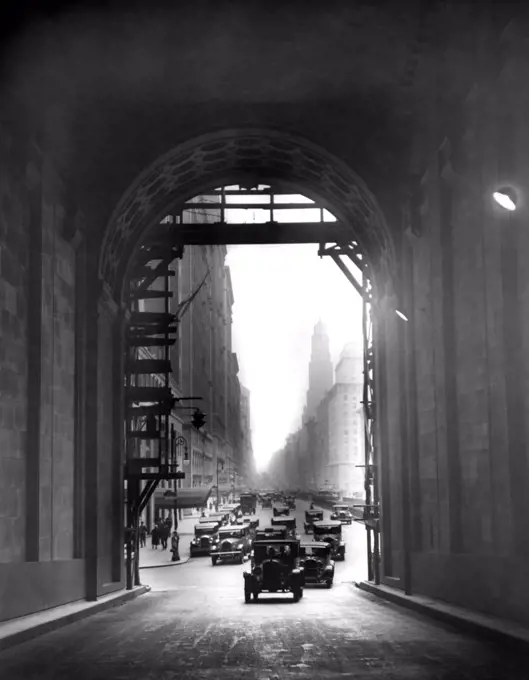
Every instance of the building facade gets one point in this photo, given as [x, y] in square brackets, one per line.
[320, 371]
[248, 471]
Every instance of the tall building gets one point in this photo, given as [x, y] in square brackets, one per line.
[248, 463]
[341, 419]
[327, 449]
[320, 371]
[202, 359]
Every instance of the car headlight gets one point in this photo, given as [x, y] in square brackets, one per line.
[240, 546]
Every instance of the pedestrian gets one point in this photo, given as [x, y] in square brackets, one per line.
[175, 542]
[164, 535]
[143, 535]
[155, 537]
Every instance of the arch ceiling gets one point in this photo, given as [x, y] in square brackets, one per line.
[234, 156]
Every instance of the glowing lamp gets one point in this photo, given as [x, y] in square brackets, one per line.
[506, 198]
[402, 316]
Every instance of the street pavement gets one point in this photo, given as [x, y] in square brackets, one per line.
[194, 624]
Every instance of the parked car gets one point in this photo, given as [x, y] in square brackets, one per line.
[312, 516]
[234, 544]
[206, 535]
[275, 569]
[317, 563]
[330, 532]
[342, 513]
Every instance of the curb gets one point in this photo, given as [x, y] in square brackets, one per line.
[471, 622]
[61, 621]
[166, 564]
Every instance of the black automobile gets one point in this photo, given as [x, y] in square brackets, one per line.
[252, 521]
[317, 563]
[206, 536]
[248, 503]
[330, 532]
[222, 518]
[289, 523]
[234, 544]
[312, 516]
[275, 569]
[342, 513]
[291, 502]
[272, 533]
[266, 502]
[280, 509]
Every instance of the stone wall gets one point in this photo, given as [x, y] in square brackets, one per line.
[467, 342]
[13, 352]
[37, 386]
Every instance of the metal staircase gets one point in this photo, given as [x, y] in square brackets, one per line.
[150, 335]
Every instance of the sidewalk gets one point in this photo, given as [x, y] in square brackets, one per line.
[25, 628]
[500, 630]
[153, 559]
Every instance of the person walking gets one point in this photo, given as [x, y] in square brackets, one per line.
[175, 542]
[143, 535]
[155, 538]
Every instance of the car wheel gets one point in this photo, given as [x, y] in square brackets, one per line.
[328, 583]
[297, 594]
[241, 558]
[247, 597]
[255, 597]
[214, 561]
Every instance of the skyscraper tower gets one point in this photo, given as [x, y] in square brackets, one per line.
[321, 372]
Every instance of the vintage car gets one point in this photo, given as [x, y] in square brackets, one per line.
[266, 502]
[281, 509]
[312, 516]
[234, 544]
[291, 502]
[275, 569]
[222, 518]
[318, 566]
[276, 533]
[330, 532]
[206, 535]
[248, 503]
[341, 513]
[252, 521]
[289, 523]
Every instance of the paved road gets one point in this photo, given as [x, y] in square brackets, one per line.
[194, 624]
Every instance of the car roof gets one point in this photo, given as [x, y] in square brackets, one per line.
[275, 541]
[313, 510]
[327, 523]
[315, 544]
[234, 526]
[206, 524]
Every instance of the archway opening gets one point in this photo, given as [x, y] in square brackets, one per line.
[149, 231]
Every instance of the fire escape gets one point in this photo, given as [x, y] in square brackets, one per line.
[371, 507]
[150, 335]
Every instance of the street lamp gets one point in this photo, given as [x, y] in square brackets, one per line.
[506, 197]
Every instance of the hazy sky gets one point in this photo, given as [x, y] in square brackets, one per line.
[280, 293]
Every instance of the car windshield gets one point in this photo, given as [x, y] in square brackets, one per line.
[232, 533]
[341, 508]
[269, 552]
[328, 530]
[315, 551]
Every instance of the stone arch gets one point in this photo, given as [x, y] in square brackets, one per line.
[231, 157]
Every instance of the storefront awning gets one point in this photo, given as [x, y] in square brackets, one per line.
[196, 497]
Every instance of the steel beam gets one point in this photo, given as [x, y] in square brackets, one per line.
[221, 233]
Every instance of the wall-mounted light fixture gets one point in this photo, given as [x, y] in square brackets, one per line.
[506, 197]
[401, 315]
